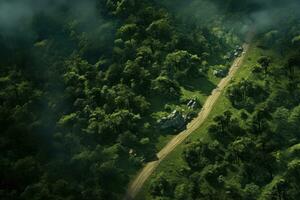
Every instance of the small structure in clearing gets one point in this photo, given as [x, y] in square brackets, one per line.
[175, 121]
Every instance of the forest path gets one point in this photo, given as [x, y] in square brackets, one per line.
[148, 169]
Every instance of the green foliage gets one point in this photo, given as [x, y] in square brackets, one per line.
[198, 155]
[183, 192]
[160, 29]
[77, 84]
[265, 62]
[252, 149]
[246, 94]
[160, 186]
[296, 40]
[182, 64]
[166, 87]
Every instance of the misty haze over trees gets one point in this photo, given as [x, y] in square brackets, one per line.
[84, 82]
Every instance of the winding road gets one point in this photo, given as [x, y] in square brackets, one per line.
[148, 169]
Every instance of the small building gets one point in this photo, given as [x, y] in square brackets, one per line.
[238, 51]
[220, 73]
[192, 104]
[175, 121]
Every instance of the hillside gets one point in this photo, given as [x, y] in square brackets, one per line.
[247, 149]
[91, 90]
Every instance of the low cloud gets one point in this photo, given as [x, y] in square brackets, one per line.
[262, 13]
[18, 14]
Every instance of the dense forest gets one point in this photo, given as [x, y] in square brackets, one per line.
[83, 84]
[77, 79]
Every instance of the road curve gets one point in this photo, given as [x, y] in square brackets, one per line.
[140, 179]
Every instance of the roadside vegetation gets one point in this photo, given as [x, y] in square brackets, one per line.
[247, 147]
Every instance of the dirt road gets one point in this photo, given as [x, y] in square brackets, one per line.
[140, 179]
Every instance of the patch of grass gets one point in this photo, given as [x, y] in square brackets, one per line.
[202, 84]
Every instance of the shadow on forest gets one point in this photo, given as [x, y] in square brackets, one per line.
[158, 103]
[199, 84]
